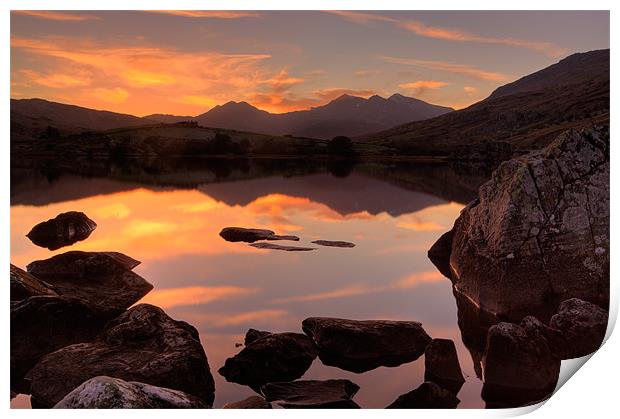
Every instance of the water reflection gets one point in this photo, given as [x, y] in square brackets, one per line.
[225, 288]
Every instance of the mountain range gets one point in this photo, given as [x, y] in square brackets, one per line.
[527, 113]
[345, 115]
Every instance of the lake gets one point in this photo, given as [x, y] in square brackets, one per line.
[172, 226]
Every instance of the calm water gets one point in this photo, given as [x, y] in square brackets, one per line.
[225, 288]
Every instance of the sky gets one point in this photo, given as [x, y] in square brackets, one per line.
[186, 62]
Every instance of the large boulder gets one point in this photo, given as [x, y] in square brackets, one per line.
[539, 232]
[252, 334]
[363, 345]
[113, 393]
[581, 327]
[312, 394]
[143, 344]
[252, 402]
[24, 285]
[441, 365]
[520, 367]
[428, 396]
[273, 357]
[103, 279]
[42, 324]
[63, 230]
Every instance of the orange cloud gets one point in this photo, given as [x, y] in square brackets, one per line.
[161, 78]
[360, 17]
[367, 73]
[447, 34]
[55, 15]
[115, 95]
[173, 297]
[421, 86]
[470, 90]
[464, 69]
[210, 14]
[249, 317]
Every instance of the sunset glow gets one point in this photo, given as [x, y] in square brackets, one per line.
[278, 61]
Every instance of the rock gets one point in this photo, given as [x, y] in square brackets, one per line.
[312, 394]
[24, 285]
[428, 396]
[42, 324]
[363, 345]
[113, 393]
[252, 334]
[274, 357]
[251, 235]
[272, 246]
[64, 230]
[539, 232]
[103, 279]
[582, 328]
[282, 237]
[143, 344]
[252, 402]
[441, 365]
[333, 243]
[439, 253]
[519, 365]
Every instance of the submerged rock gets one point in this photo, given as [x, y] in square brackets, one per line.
[312, 394]
[519, 366]
[363, 345]
[441, 365]
[143, 344]
[252, 334]
[42, 324]
[24, 285]
[102, 279]
[252, 402]
[272, 246]
[63, 230]
[332, 243]
[104, 392]
[581, 327]
[274, 357]
[428, 396]
[539, 232]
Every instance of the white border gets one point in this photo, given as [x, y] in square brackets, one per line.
[592, 392]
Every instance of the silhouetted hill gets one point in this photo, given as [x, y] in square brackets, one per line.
[527, 113]
[70, 115]
[345, 115]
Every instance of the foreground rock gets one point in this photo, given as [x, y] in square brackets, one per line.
[441, 365]
[143, 344]
[581, 327]
[539, 232]
[24, 285]
[43, 324]
[251, 235]
[274, 357]
[252, 402]
[113, 393]
[102, 279]
[332, 243]
[428, 396]
[519, 365]
[252, 334]
[312, 394]
[64, 230]
[363, 345]
[272, 246]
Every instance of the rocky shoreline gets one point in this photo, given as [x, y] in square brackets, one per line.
[529, 263]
